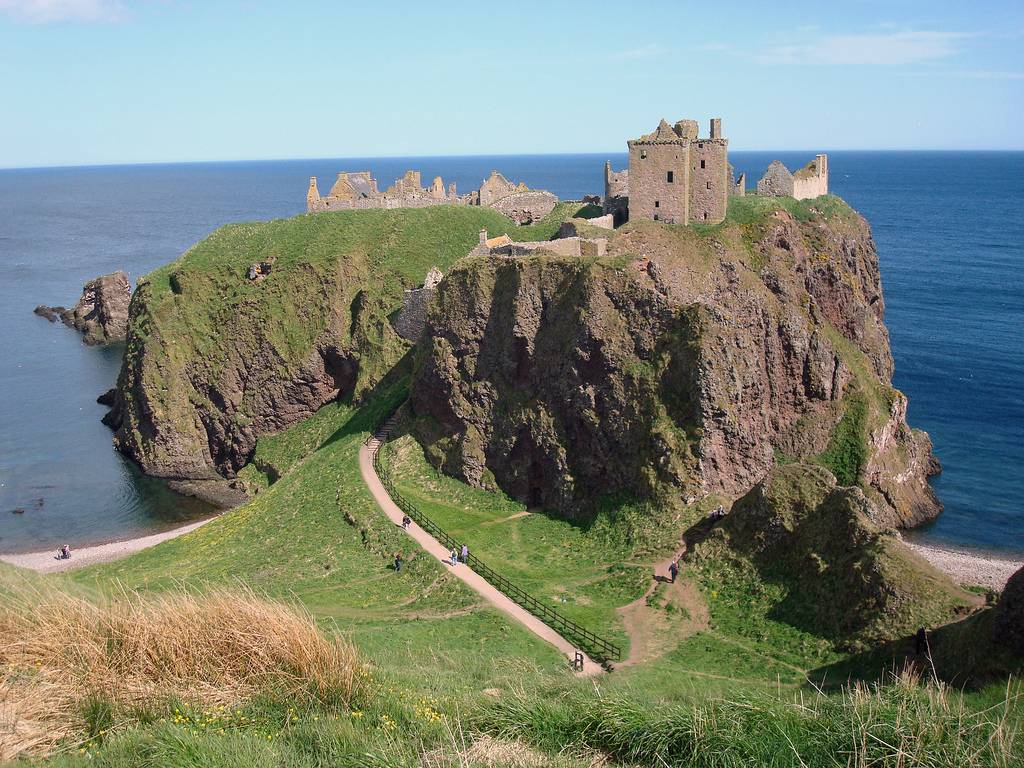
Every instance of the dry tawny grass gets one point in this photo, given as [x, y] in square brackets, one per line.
[58, 652]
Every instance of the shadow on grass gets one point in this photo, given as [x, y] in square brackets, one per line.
[389, 393]
[964, 654]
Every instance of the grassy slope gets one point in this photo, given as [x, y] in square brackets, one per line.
[589, 573]
[316, 535]
[584, 575]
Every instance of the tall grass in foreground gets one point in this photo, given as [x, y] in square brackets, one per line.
[905, 723]
[67, 664]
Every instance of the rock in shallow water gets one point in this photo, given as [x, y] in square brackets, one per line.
[101, 313]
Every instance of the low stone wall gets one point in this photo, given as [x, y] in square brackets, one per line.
[329, 204]
[571, 228]
[526, 207]
[574, 247]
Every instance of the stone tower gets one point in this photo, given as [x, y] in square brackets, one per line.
[616, 193]
[313, 194]
[677, 177]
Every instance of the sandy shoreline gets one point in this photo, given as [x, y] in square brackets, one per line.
[46, 562]
[967, 567]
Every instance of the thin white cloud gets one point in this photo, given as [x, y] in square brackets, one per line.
[989, 74]
[649, 51]
[873, 49]
[50, 11]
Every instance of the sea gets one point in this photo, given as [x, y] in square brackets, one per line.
[950, 234]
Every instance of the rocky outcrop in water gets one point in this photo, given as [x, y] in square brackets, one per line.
[101, 314]
[691, 361]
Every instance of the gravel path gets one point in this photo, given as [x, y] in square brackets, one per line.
[971, 568]
[463, 572]
[47, 562]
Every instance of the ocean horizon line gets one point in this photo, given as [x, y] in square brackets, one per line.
[610, 153]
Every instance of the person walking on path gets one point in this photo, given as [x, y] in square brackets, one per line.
[465, 553]
[454, 557]
[406, 520]
[673, 571]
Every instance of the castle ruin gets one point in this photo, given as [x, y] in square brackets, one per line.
[674, 176]
[809, 182]
[678, 177]
[358, 190]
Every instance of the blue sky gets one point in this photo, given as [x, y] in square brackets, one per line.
[117, 81]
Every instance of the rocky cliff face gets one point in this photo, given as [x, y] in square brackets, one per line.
[186, 411]
[691, 361]
[101, 314]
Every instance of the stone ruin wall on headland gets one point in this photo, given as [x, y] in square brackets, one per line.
[807, 183]
[358, 190]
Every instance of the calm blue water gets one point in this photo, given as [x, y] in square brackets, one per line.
[951, 266]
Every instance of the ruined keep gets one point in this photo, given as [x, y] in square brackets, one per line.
[809, 182]
[358, 190]
[674, 175]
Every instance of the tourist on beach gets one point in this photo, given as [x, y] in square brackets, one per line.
[673, 571]
[398, 561]
[455, 557]
[64, 553]
[465, 553]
